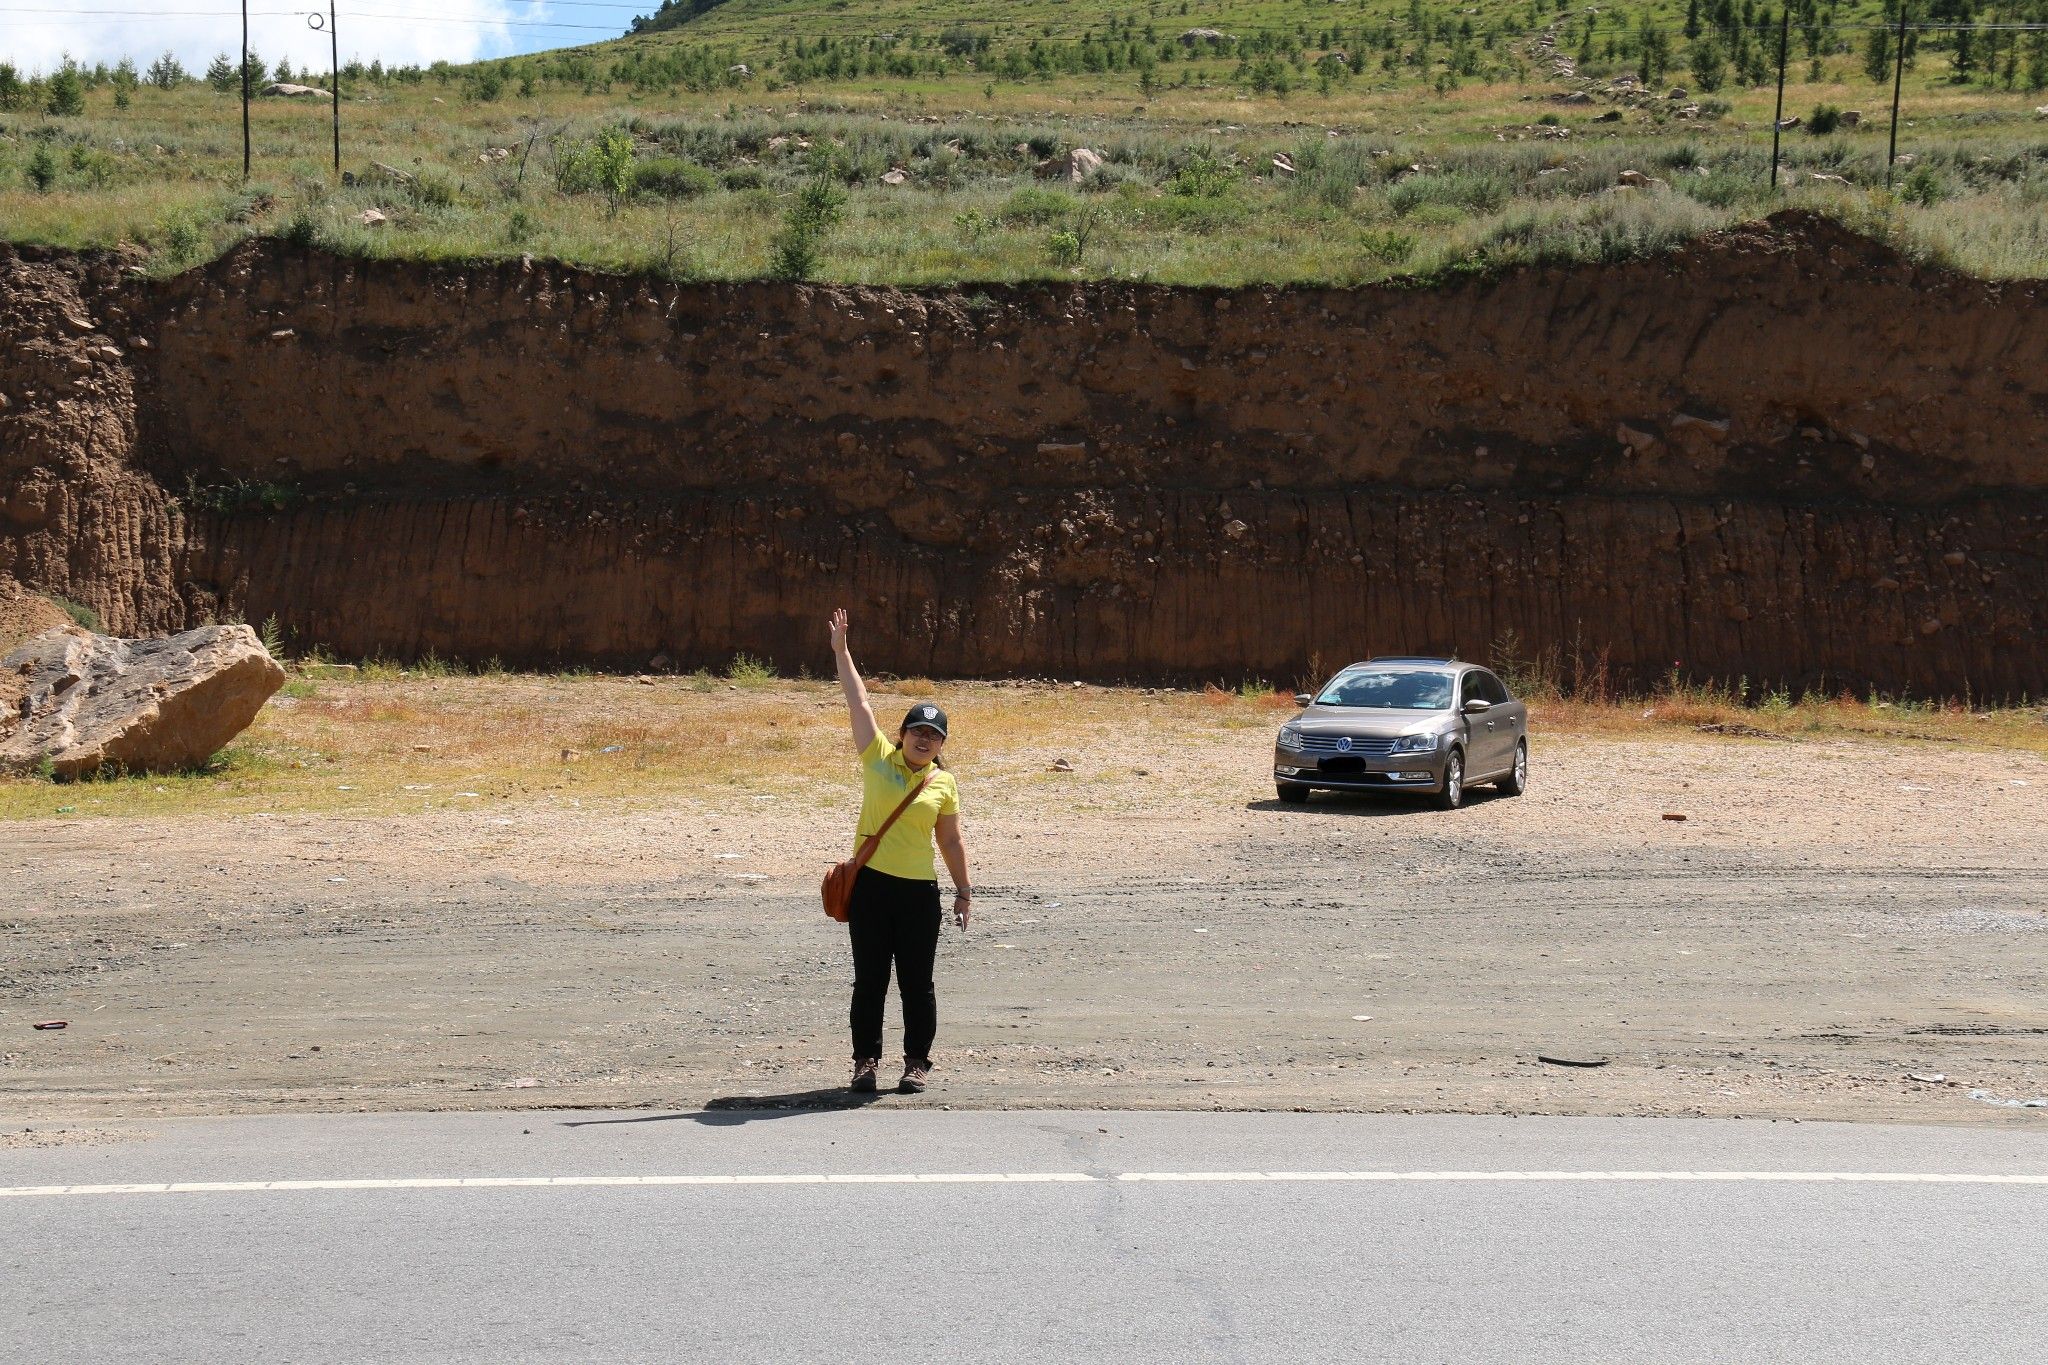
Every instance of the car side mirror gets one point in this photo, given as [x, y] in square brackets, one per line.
[1301, 699]
[1475, 706]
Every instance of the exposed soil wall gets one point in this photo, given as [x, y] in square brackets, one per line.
[1782, 453]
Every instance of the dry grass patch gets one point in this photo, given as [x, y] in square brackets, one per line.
[375, 745]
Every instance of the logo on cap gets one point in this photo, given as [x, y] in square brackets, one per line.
[927, 712]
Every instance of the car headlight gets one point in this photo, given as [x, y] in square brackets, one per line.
[1290, 739]
[1415, 744]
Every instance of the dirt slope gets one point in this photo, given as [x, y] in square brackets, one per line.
[1782, 453]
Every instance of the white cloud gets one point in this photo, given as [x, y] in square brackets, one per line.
[397, 31]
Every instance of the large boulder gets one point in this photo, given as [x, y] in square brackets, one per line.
[82, 701]
[1075, 167]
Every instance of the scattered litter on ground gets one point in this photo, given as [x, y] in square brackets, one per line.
[1674, 815]
[1737, 728]
[1986, 1097]
[1361, 1018]
[1928, 1077]
[1060, 765]
[613, 749]
[52, 1024]
[519, 1083]
[1557, 1059]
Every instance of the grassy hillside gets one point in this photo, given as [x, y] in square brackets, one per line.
[910, 140]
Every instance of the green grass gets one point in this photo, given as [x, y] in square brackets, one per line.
[1431, 157]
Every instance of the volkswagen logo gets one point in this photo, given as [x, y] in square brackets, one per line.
[1344, 745]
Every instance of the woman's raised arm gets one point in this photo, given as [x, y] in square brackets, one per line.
[857, 709]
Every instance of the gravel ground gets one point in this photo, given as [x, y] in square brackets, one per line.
[1832, 920]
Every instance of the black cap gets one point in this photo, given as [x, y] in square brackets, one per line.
[924, 713]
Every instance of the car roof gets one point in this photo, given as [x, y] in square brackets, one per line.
[1414, 660]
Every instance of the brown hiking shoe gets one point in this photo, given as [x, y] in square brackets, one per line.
[864, 1069]
[914, 1076]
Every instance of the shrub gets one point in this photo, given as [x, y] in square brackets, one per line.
[300, 230]
[748, 671]
[1201, 176]
[183, 238]
[1924, 187]
[1035, 207]
[1064, 247]
[67, 93]
[743, 178]
[672, 177]
[817, 209]
[79, 612]
[1824, 119]
[1385, 244]
[42, 168]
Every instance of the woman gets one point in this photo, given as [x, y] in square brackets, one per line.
[894, 913]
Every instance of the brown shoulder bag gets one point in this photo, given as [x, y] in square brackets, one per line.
[838, 887]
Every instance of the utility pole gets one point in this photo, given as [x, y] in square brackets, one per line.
[245, 89]
[1891, 161]
[334, 81]
[1778, 119]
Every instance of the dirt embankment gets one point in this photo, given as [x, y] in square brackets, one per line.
[1783, 453]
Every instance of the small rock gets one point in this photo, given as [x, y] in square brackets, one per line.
[1060, 765]
[1283, 164]
[1638, 442]
[372, 218]
[1234, 529]
[895, 175]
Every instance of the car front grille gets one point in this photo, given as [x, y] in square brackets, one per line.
[1366, 746]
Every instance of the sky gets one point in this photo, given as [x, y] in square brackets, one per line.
[35, 35]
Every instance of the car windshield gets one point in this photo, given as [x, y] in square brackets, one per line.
[1389, 690]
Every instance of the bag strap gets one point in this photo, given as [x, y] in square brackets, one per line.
[867, 850]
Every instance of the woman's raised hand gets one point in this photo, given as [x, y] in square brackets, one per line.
[838, 625]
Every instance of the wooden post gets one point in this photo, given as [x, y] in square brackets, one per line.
[1778, 119]
[334, 82]
[245, 89]
[1891, 161]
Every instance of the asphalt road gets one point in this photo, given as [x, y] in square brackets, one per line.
[807, 1236]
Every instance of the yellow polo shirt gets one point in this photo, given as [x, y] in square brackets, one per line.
[906, 851]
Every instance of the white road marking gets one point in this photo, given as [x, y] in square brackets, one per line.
[499, 1182]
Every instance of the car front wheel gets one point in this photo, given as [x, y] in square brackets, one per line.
[1517, 781]
[1293, 793]
[1453, 794]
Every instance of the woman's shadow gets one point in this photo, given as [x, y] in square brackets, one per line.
[730, 1111]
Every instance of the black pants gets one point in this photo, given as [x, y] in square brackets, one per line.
[893, 919]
